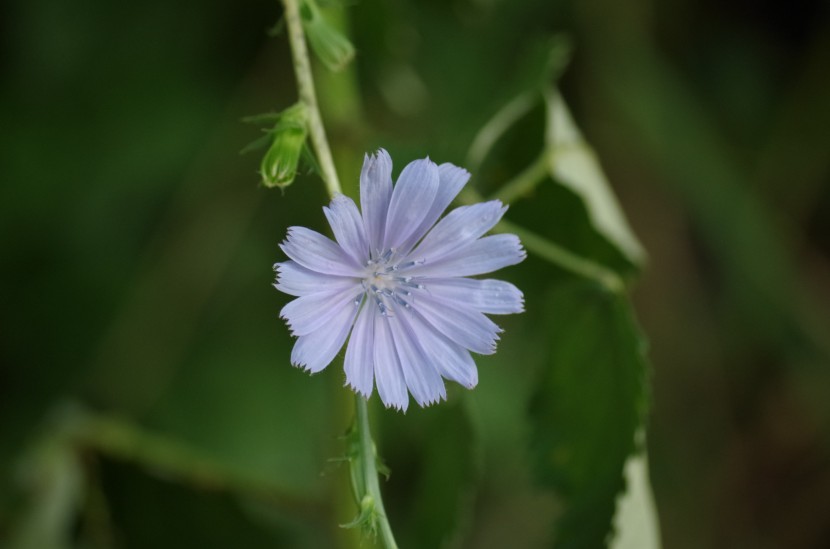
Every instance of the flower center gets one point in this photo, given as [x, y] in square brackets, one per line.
[384, 283]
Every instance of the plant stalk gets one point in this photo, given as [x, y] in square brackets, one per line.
[305, 88]
[368, 458]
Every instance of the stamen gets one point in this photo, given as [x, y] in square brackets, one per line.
[410, 264]
[409, 284]
[402, 302]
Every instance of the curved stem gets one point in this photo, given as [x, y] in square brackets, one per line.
[305, 87]
[368, 459]
[524, 183]
[565, 259]
[547, 250]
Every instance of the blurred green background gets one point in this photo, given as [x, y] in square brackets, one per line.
[146, 398]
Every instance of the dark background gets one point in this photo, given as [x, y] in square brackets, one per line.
[137, 246]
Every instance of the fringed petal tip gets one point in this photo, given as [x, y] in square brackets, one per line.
[440, 398]
[356, 390]
[302, 366]
[397, 406]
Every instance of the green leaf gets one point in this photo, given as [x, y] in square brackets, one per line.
[589, 403]
[573, 163]
[636, 521]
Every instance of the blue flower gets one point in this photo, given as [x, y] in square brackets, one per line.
[399, 284]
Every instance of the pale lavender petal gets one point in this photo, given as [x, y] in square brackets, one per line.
[311, 312]
[375, 194]
[295, 279]
[360, 359]
[316, 252]
[452, 360]
[479, 257]
[414, 193]
[347, 227]
[467, 327]
[451, 179]
[422, 379]
[388, 374]
[460, 227]
[487, 296]
[316, 350]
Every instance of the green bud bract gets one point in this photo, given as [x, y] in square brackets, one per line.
[279, 165]
[329, 44]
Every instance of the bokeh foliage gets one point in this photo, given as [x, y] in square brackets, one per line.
[145, 393]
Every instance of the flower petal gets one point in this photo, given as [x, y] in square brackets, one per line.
[375, 194]
[468, 328]
[422, 378]
[460, 227]
[294, 279]
[360, 359]
[487, 296]
[347, 227]
[388, 374]
[316, 252]
[451, 179]
[316, 350]
[311, 312]
[452, 360]
[411, 200]
[479, 257]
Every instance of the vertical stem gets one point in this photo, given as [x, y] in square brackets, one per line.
[368, 458]
[305, 87]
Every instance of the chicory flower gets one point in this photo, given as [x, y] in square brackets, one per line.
[396, 283]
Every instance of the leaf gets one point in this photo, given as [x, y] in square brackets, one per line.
[636, 521]
[573, 163]
[589, 402]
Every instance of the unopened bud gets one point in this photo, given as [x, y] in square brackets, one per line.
[331, 47]
[279, 165]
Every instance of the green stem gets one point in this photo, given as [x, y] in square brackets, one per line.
[552, 252]
[368, 459]
[525, 182]
[563, 258]
[305, 87]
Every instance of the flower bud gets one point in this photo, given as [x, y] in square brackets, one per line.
[279, 165]
[329, 44]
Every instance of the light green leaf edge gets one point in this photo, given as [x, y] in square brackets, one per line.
[573, 163]
[636, 522]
